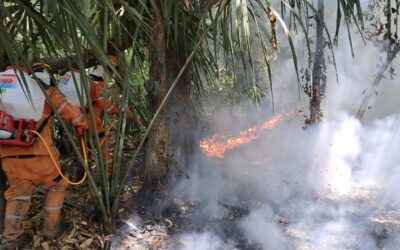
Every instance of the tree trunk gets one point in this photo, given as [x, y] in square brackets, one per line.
[172, 143]
[391, 52]
[156, 154]
[370, 93]
[181, 116]
[318, 72]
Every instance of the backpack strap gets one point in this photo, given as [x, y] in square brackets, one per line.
[44, 124]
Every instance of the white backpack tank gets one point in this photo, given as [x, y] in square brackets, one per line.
[14, 97]
[67, 87]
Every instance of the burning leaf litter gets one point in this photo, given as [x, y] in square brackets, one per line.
[217, 145]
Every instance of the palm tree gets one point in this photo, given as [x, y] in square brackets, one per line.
[183, 40]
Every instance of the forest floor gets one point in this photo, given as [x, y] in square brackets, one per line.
[142, 231]
[138, 229]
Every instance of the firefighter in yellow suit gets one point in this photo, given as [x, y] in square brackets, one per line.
[29, 166]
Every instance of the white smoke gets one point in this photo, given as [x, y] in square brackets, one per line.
[328, 187]
[203, 241]
[263, 227]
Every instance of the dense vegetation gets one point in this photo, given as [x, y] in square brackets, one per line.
[173, 55]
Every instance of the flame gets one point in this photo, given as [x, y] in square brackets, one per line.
[217, 145]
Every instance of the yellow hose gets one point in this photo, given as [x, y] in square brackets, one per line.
[108, 131]
[56, 164]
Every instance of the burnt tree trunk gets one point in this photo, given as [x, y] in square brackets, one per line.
[319, 67]
[181, 116]
[156, 154]
[171, 142]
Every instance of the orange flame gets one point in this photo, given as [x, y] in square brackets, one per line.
[216, 145]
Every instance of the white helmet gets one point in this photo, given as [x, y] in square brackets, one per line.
[97, 71]
[44, 77]
[41, 71]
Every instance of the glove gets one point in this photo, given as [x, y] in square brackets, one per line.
[79, 131]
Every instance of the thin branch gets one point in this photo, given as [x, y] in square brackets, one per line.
[376, 83]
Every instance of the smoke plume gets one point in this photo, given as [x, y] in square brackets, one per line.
[333, 186]
[327, 187]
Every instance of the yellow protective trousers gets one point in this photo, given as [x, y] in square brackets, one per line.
[22, 175]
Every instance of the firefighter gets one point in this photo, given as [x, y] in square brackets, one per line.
[100, 104]
[29, 166]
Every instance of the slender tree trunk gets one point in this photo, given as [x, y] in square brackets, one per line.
[318, 72]
[370, 93]
[391, 51]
